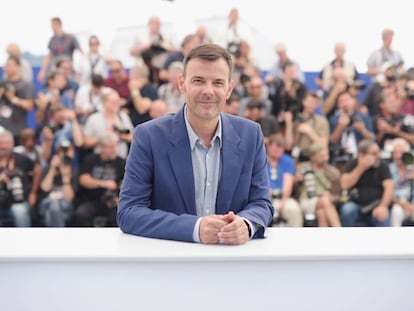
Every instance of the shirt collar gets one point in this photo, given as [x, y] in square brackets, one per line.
[192, 136]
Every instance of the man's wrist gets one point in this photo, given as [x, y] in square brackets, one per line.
[15, 101]
[248, 228]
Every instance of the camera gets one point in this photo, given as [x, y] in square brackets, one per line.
[234, 49]
[408, 158]
[15, 186]
[64, 146]
[55, 127]
[357, 84]
[5, 85]
[338, 153]
[121, 130]
[278, 220]
[110, 199]
[276, 194]
[244, 78]
[309, 182]
[355, 118]
[308, 204]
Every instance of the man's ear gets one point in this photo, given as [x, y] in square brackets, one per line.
[181, 86]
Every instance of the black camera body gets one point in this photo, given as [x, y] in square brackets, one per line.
[55, 127]
[110, 199]
[356, 118]
[234, 49]
[120, 130]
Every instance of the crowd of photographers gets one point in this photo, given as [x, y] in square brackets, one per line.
[338, 156]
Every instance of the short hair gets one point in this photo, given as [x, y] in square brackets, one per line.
[209, 52]
[62, 59]
[97, 80]
[93, 37]
[15, 59]
[187, 39]
[387, 32]
[8, 134]
[402, 142]
[141, 70]
[53, 74]
[287, 64]
[232, 98]
[56, 108]
[176, 66]
[277, 139]
[27, 133]
[106, 138]
[57, 20]
[364, 145]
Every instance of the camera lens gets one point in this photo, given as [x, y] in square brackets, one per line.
[407, 158]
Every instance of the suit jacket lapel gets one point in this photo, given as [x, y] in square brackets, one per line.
[231, 166]
[181, 163]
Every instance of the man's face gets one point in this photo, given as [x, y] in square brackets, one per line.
[6, 146]
[108, 150]
[374, 153]
[321, 158]
[206, 87]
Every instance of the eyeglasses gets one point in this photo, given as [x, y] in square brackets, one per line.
[93, 43]
[115, 70]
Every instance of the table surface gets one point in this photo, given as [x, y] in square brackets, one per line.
[110, 244]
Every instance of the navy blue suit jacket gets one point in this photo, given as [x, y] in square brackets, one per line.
[157, 197]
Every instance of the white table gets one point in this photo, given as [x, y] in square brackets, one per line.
[292, 269]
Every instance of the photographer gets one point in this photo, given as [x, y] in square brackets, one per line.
[389, 123]
[110, 120]
[348, 127]
[99, 181]
[305, 128]
[288, 93]
[16, 98]
[402, 174]
[15, 171]
[63, 126]
[367, 180]
[281, 172]
[58, 188]
[319, 188]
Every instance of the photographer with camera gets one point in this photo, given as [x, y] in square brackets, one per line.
[58, 188]
[367, 179]
[63, 126]
[402, 173]
[390, 123]
[328, 75]
[288, 93]
[15, 172]
[142, 94]
[255, 89]
[348, 127]
[100, 177]
[110, 120]
[281, 173]
[51, 96]
[305, 128]
[16, 98]
[319, 188]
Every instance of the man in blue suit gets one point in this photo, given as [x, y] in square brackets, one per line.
[198, 175]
